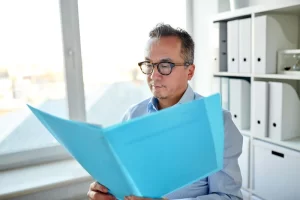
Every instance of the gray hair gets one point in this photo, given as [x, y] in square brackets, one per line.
[187, 43]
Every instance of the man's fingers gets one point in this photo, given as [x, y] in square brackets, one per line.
[93, 195]
[98, 187]
[131, 197]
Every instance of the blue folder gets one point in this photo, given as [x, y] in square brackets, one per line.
[149, 156]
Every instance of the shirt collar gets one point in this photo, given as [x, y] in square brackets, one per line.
[188, 95]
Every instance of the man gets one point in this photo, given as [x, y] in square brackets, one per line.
[168, 64]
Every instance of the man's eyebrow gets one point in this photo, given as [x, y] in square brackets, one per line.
[166, 60]
[162, 60]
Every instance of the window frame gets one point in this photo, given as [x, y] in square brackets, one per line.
[13, 160]
[74, 92]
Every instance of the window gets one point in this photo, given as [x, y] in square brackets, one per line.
[33, 69]
[113, 38]
[31, 72]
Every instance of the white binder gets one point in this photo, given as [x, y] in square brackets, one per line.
[216, 85]
[239, 102]
[273, 33]
[215, 60]
[233, 46]
[220, 47]
[261, 108]
[246, 194]
[245, 45]
[284, 115]
[225, 92]
[244, 161]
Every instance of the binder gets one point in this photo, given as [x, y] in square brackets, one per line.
[233, 46]
[261, 108]
[216, 85]
[220, 47]
[273, 33]
[225, 92]
[245, 45]
[284, 112]
[244, 161]
[239, 102]
[246, 194]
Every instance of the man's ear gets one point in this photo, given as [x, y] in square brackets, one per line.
[191, 71]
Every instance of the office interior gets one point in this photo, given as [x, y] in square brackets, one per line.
[78, 60]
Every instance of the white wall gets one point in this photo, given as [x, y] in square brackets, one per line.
[203, 11]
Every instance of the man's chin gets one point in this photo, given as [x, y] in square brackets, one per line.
[159, 96]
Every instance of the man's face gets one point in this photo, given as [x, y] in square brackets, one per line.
[172, 85]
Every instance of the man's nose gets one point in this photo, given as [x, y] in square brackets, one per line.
[155, 74]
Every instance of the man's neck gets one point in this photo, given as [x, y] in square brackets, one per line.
[165, 103]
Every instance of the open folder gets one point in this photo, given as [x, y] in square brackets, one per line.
[149, 156]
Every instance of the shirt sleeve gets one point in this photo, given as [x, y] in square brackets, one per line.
[127, 115]
[226, 184]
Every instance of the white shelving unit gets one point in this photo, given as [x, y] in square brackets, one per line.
[293, 144]
[277, 76]
[290, 147]
[228, 74]
[261, 76]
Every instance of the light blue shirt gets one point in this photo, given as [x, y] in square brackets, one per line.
[225, 184]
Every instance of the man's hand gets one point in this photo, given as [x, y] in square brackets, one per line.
[141, 198]
[99, 192]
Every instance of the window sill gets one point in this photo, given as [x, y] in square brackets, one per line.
[34, 179]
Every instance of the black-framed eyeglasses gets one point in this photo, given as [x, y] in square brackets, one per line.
[164, 68]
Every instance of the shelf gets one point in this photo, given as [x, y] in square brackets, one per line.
[289, 7]
[292, 7]
[278, 76]
[290, 51]
[256, 195]
[246, 132]
[229, 74]
[291, 144]
[286, 76]
[236, 14]
[247, 189]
